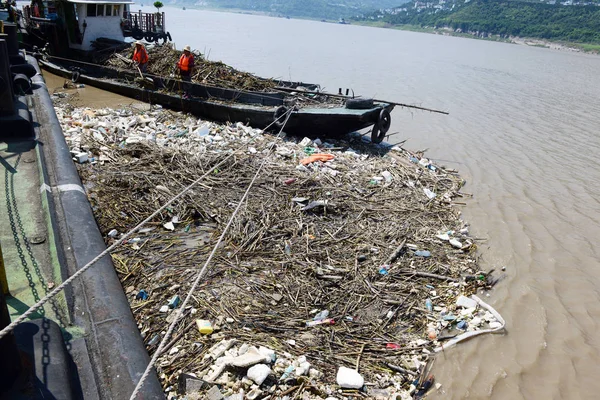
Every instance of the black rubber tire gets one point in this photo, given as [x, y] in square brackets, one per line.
[17, 60]
[149, 38]
[137, 34]
[169, 36]
[384, 122]
[359, 104]
[22, 83]
[26, 69]
[277, 120]
[75, 76]
[376, 135]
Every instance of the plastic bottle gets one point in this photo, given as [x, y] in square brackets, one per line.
[431, 334]
[154, 340]
[321, 316]
[174, 302]
[422, 253]
[204, 326]
[425, 387]
[286, 374]
[429, 305]
[387, 176]
[328, 321]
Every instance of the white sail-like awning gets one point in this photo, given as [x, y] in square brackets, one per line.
[100, 1]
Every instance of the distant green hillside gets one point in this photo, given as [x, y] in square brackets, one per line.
[302, 8]
[576, 23]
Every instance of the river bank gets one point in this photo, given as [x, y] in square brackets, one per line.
[281, 279]
[533, 42]
[590, 48]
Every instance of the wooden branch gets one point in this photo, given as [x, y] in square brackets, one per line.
[396, 253]
[400, 369]
[429, 275]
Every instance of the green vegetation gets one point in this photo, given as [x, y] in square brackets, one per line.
[578, 24]
[158, 5]
[593, 48]
[315, 9]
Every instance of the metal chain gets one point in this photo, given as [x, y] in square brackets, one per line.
[58, 311]
[180, 310]
[8, 183]
[68, 281]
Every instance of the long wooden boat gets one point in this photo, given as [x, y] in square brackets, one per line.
[257, 109]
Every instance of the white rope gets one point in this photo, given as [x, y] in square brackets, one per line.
[181, 309]
[60, 287]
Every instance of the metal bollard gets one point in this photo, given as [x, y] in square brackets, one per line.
[12, 41]
[7, 107]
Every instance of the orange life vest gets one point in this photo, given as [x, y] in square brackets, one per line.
[185, 61]
[140, 55]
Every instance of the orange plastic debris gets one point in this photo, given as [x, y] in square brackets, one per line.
[316, 157]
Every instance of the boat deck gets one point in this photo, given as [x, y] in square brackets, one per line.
[28, 245]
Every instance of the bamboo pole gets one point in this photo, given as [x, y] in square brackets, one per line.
[341, 96]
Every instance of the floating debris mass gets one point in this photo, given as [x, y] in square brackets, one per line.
[162, 61]
[338, 279]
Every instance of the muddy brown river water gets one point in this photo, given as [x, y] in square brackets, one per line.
[87, 96]
[523, 130]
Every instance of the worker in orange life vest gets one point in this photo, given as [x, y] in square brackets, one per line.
[186, 66]
[140, 56]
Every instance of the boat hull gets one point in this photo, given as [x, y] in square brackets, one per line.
[258, 110]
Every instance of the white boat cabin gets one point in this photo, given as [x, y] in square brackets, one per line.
[98, 19]
[82, 22]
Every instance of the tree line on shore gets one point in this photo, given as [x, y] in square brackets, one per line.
[507, 18]
[319, 9]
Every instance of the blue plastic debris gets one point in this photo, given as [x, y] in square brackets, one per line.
[142, 295]
[383, 270]
[422, 253]
[174, 302]
[286, 374]
[154, 340]
[429, 305]
[462, 325]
